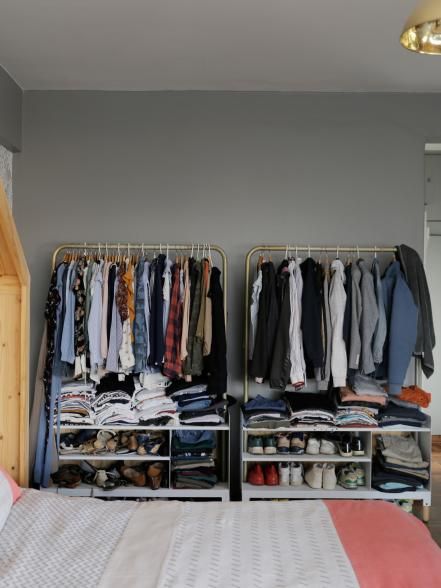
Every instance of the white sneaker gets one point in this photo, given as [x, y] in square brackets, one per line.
[314, 476]
[296, 474]
[328, 447]
[283, 474]
[313, 446]
[329, 477]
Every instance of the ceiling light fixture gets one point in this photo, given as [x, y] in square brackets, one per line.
[422, 32]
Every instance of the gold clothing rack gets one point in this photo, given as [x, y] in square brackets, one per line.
[103, 249]
[287, 249]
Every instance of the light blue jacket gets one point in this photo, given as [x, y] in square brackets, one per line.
[402, 320]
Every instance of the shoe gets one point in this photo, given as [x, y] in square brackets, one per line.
[255, 475]
[142, 439]
[328, 447]
[154, 475]
[283, 443]
[313, 446]
[269, 445]
[406, 505]
[255, 445]
[154, 444]
[283, 474]
[357, 446]
[134, 475]
[297, 444]
[314, 476]
[345, 446]
[296, 474]
[102, 439]
[359, 472]
[132, 442]
[271, 475]
[347, 478]
[329, 477]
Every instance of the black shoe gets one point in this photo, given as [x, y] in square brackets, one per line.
[345, 446]
[357, 446]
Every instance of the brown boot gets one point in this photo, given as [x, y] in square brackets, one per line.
[137, 477]
[154, 474]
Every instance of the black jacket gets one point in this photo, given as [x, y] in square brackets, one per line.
[311, 316]
[281, 362]
[267, 318]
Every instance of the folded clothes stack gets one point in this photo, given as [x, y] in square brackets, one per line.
[399, 465]
[264, 412]
[310, 408]
[398, 415]
[153, 407]
[354, 409]
[76, 404]
[195, 404]
[193, 459]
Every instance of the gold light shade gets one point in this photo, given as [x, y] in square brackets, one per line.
[422, 32]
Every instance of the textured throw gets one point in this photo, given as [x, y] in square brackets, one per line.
[256, 544]
[51, 540]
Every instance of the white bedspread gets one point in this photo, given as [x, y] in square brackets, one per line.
[51, 540]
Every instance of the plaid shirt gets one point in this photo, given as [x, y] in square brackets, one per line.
[172, 356]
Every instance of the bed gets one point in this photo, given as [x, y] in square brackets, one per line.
[51, 540]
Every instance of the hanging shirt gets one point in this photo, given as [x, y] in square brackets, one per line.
[254, 311]
[356, 307]
[94, 326]
[104, 340]
[166, 291]
[186, 311]
[67, 340]
[381, 328]
[298, 367]
[369, 318]
[337, 302]
[326, 375]
[115, 339]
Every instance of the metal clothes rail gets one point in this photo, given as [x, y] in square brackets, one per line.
[295, 249]
[129, 248]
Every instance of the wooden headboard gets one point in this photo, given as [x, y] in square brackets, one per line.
[14, 348]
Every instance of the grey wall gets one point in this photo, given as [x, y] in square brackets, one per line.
[10, 112]
[236, 169]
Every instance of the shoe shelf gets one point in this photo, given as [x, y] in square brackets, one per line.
[368, 436]
[304, 457]
[221, 491]
[111, 457]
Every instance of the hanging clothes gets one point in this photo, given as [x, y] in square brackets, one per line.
[311, 317]
[369, 318]
[266, 324]
[337, 302]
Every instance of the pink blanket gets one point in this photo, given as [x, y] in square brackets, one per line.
[404, 553]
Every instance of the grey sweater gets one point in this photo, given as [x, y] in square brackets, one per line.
[369, 318]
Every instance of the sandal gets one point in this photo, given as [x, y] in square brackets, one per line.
[154, 473]
[102, 438]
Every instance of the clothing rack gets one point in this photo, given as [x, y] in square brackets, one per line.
[199, 250]
[287, 249]
[129, 248]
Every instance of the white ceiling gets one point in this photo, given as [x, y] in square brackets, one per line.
[300, 45]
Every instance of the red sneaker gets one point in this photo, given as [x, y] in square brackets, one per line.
[255, 475]
[271, 475]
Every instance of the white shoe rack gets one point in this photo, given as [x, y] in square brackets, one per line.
[221, 491]
[250, 492]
